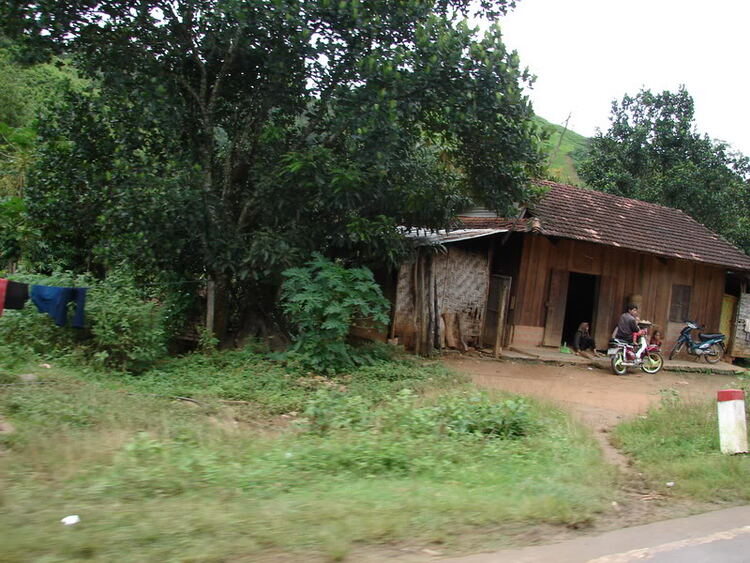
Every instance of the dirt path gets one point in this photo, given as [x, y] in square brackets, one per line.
[596, 396]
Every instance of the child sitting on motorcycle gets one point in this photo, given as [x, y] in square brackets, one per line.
[657, 338]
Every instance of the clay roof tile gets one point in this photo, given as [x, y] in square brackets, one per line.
[584, 214]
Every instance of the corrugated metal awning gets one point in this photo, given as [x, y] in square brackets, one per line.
[424, 237]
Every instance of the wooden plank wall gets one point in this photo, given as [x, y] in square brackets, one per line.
[632, 273]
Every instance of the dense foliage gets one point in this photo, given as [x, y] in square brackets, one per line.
[235, 138]
[653, 152]
[24, 92]
[324, 300]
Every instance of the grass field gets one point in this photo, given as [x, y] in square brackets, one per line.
[563, 160]
[679, 443]
[402, 452]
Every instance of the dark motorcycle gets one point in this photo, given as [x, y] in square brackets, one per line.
[709, 346]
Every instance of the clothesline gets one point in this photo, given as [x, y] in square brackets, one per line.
[149, 284]
[54, 300]
[50, 299]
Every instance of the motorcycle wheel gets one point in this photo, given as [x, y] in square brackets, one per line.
[676, 350]
[618, 363]
[652, 362]
[714, 354]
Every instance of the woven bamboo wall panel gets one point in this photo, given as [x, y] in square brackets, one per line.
[462, 281]
[404, 326]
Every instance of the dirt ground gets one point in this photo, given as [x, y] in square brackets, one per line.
[597, 397]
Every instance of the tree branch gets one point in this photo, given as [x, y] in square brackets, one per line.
[228, 60]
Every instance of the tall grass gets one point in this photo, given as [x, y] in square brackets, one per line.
[159, 480]
[679, 443]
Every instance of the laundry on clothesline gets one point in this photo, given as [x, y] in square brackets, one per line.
[48, 299]
[54, 301]
[13, 295]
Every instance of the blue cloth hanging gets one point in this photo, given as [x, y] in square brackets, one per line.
[54, 301]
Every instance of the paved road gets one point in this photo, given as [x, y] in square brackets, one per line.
[720, 536]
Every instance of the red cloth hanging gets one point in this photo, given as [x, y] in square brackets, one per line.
[3, 289]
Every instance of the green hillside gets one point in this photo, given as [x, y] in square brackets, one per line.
[562, 162]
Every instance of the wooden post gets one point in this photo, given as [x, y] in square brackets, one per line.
[487, 292]
[501, 314]
[434, 315]
[419, 304]
[428, 325]
[424, 313]
[211, 306]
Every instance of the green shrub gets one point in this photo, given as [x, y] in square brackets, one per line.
[453, 415]
[27, 331]
[127, 332]
[480, 416]
[328, 411]
[323, 299]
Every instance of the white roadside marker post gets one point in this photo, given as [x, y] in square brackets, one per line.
[732, 424]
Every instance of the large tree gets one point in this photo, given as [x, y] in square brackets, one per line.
[288, 125]
[653, 152]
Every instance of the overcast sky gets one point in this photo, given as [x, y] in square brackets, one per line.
[586, 53]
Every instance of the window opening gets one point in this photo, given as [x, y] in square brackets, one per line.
[679, 309]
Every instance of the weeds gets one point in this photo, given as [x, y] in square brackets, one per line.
[669, 397]
[123, 330]
[454, 415]
[679, 442]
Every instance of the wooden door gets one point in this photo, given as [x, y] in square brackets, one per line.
[603, 326]
[556, 298]
[493, 334]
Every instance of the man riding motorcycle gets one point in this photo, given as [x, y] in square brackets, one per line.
[628, 329]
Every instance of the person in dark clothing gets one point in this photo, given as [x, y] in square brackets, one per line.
[629, 331]
[627, 324]
[582, 341]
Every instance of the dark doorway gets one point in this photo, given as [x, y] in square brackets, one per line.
[579, 304]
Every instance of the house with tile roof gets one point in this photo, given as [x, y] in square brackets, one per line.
[578, 255]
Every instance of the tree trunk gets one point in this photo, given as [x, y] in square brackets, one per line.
[217, 319]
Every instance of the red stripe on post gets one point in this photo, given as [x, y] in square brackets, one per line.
[730, 395]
